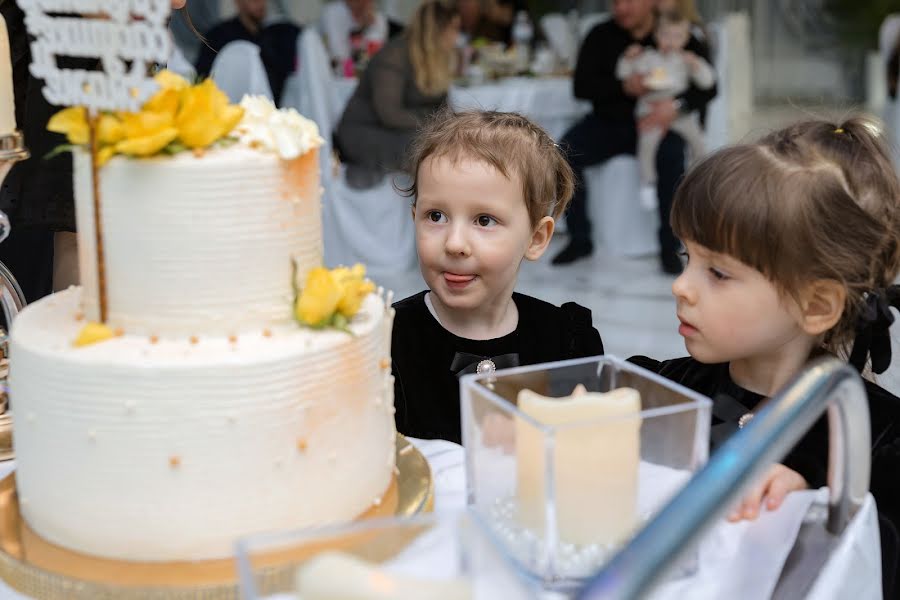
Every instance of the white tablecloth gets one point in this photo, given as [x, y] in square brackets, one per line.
[737, 561]
[547, 101]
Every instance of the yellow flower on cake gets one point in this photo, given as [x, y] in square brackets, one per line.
[206, 115]
[93, 333]
[146, 133]
[318, 302]
[168, 80]
[109, 130]
[354, 288]
[71, 122]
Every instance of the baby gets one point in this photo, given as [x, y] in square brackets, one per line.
[668, 72]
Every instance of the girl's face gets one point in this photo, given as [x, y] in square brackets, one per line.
[730, 312]
[176, 4]
[472, 232]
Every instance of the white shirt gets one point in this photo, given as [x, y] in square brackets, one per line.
[338, 23]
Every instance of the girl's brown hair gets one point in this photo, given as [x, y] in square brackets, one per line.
[809, 202]
[509, 143]
[433, 65]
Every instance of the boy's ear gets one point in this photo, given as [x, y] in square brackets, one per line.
[822, 306]
[540, 238]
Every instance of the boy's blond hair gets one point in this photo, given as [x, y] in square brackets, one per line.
[509, 143]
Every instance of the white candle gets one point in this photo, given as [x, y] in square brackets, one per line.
[333, 575]
[595, 464]
[7, 102]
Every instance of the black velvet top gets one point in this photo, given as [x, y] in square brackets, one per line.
[810, 456]
[426, 389]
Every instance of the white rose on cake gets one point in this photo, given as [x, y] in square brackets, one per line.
[284, 131]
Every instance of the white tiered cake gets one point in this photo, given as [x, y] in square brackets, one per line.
[213, 413]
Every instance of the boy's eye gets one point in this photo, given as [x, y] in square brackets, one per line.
[485, 221]
[436, 216]
[684, 254]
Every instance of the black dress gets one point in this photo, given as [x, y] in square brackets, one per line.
[810, 456]
[426, 390]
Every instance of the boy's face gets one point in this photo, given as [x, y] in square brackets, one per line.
[672, 36]
[731, 312]
[472, 232]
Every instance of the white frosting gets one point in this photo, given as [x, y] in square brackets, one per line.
[285, 131]
[266, 432]
[199, 246]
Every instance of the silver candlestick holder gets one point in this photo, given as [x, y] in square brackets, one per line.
[12, 150]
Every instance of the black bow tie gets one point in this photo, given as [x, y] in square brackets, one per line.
[465, 363]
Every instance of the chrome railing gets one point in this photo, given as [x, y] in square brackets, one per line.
[828, 383]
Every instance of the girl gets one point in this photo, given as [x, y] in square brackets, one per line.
[487, 189]
[793, 244]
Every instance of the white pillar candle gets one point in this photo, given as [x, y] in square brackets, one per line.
[333, 575]
[595, 464]
[7, 102]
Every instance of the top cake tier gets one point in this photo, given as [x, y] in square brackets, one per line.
[195, 244]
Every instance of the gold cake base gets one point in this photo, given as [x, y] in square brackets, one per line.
[42, 570]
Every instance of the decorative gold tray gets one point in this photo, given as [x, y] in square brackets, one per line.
[43, 570]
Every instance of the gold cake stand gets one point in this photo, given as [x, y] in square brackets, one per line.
[42, 570]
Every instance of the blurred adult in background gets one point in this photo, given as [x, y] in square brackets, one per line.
[355, 26]
[611, 128]
[277, 42]
[403, 85]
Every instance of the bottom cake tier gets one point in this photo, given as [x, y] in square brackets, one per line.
[148, 449]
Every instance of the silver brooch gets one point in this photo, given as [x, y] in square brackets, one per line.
[742, 422]
[486, 366]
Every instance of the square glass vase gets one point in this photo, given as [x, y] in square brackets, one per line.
[564, 481]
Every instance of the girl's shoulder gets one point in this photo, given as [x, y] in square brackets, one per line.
[687, 371]
[571, 323]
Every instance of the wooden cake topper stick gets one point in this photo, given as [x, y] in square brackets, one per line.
[102, 298]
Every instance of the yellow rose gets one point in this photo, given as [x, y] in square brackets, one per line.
[104, 154]
[146, 133]
[109, 129]
[168, 80]
[354, 288]
[205, 115]
[73, 123]
[93, 333]
[164, 101]
[319, 299]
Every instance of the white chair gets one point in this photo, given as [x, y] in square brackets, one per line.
[238, 70]
[179, 64]
[371, 226]
[888, 36]
[621, 226]
[560, 36]
[716, 127]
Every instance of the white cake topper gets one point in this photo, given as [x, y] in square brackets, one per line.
[126, 37]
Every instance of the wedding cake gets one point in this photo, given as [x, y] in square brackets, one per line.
[206, 410]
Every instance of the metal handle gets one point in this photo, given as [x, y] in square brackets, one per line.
[766, 439]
